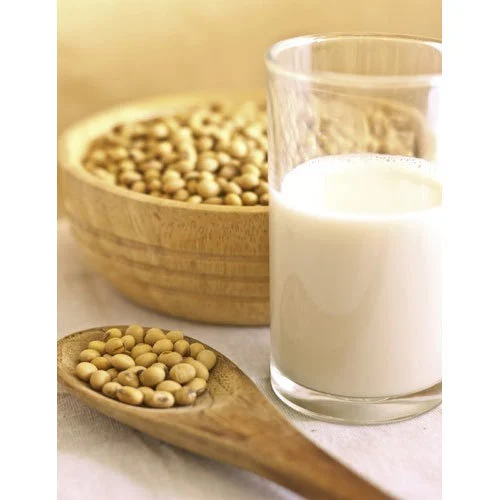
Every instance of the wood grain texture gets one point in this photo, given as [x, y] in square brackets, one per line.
[233, 423]
[205, 263]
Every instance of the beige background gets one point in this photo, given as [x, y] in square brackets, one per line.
[101, 459]
[111, 51]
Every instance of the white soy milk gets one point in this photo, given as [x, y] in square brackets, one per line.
[356, 275]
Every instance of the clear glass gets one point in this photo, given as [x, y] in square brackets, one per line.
[355, 294]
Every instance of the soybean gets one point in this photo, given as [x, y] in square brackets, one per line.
[128, 342]
[162, 346]
[159, 399]
[169, 386]
[153, 335]
[185, 396]
[134, 367]
[112, 333]
[130, 396]
[98, 379]
[137, 332]
[115, 346]
[195, 348]
[207, 357]
[146, 359]
[175, 335]
[97, 345]
[88, 355]
[200, 368]
[110, 389]
[152, 376]
[122, 362]
[170, 359]
[182, 373]
[182, 347]
[84, 370]
[198, 385]
[101, 363]
[146, 391]
[139, 349]
[128, 378]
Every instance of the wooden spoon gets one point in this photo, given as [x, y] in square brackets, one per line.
[232, 422]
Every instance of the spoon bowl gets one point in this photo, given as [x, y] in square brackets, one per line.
[231, 422]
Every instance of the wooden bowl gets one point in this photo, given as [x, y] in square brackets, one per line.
[206, 263]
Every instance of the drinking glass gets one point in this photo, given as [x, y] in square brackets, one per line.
[355, 297]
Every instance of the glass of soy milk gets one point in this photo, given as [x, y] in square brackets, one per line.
[355, 226]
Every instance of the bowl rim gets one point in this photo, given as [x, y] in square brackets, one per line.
[78, 133]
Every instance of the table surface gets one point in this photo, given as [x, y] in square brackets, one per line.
[101, 458]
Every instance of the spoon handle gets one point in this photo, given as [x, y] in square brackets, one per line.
[291, 460]
[233, 423]
[250, 433]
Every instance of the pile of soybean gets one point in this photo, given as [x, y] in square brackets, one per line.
[155, 368]
[214, 154]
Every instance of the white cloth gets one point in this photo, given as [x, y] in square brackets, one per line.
[99, 458]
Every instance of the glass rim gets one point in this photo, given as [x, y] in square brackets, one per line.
[351, 79]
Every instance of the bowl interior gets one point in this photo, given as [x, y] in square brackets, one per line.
[75, 141]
